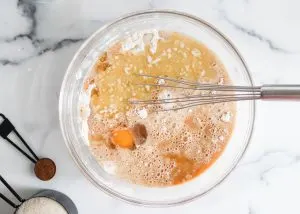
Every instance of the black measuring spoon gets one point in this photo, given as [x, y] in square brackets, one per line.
[44, 168]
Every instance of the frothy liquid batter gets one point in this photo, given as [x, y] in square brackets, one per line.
[139, 143]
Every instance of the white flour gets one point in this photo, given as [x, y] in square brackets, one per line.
[137, 41]
[41, 205]
[226, 117]
[143, 114]
[85, 110]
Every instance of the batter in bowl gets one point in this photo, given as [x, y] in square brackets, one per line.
[139, 143]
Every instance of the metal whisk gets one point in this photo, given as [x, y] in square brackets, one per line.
[215, 93]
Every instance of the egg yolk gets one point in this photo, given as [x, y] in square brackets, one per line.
[123, 138]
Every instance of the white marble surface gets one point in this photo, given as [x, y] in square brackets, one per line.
[37, 41]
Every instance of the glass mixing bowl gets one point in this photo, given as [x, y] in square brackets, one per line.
[71, 122]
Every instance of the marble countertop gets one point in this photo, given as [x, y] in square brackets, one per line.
[37, 41]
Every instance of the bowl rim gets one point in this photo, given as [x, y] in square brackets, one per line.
[73, 153]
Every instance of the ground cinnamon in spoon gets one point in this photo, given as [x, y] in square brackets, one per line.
[45, 169]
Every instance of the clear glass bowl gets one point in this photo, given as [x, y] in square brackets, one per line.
[71, 121]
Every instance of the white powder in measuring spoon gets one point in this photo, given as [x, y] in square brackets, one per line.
[41, 205]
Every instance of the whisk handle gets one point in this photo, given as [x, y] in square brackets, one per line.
[286, 92]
